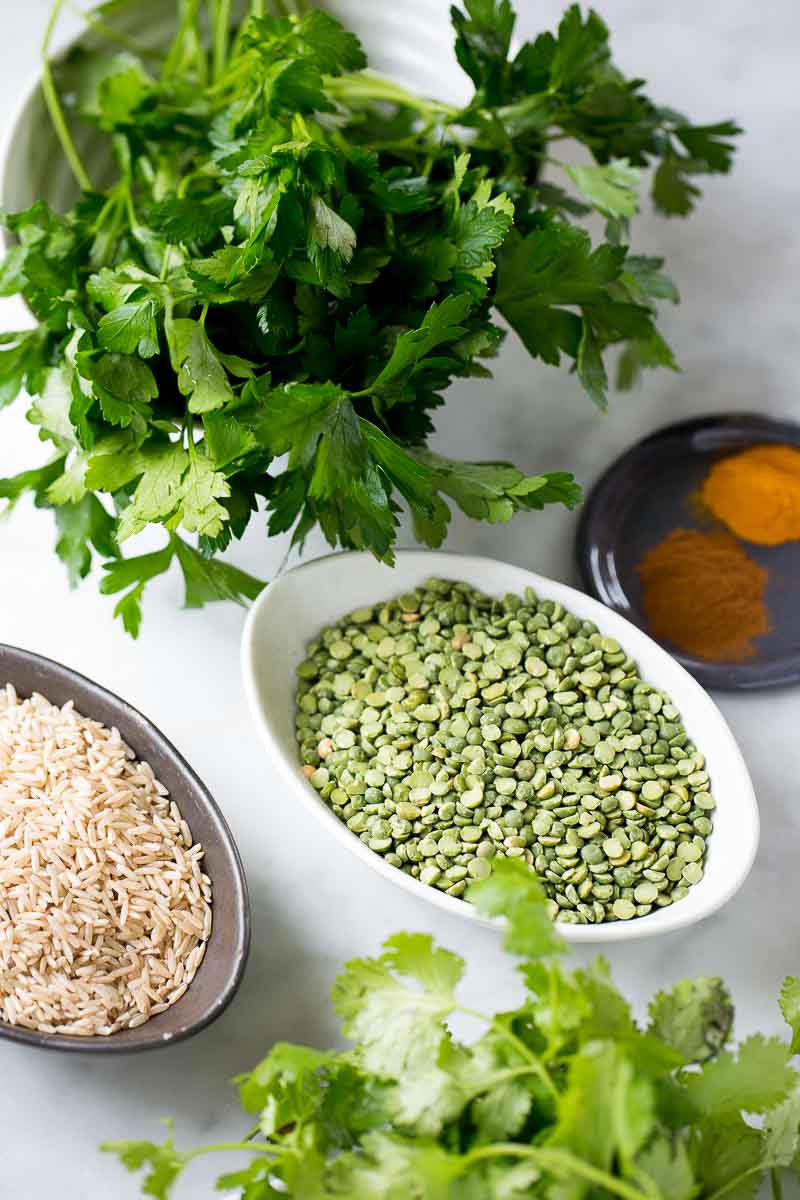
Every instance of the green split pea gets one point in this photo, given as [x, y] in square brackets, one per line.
[447, 728]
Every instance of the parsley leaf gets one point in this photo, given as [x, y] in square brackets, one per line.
[440, 325]
[210, 579]
[159, 490]
[287, 255]
[201, 376]
[611, 189]
[134, 573]
[130, 329]
[82, 526]
[37, 480]
[124, 385]
[488, 491]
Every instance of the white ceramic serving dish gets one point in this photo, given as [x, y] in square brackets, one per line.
[293, 609]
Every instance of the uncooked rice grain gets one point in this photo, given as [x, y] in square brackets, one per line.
[104, 910]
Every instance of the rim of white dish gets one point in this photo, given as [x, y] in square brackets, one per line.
[666, 920]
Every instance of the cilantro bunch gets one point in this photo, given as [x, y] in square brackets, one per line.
[565, 1098]
[290, 259]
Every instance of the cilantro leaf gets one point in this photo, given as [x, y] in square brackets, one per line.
[782, 1131]
[605, 1109]
[513, 891]
[163, 1164]
[283, 1062]
[695, 1017]
[790, 1007]
[754, 1080]
[399, 1028]
[725, 1155]
[395, 1168]
[501, 1113]
[667, 1165]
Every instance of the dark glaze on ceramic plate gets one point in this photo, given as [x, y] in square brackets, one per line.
[648, 492]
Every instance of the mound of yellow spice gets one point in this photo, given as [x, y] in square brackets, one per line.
[757, 494]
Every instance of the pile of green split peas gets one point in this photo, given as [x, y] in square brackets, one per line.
[447, 728]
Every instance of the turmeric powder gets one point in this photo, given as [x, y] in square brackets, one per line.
[756, 493]
[704, 593]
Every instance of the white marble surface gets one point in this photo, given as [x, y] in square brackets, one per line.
[736, 333]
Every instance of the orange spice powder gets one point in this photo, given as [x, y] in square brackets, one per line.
[704, 593]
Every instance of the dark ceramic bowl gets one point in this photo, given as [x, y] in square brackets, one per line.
[648, 492]
[220, 972]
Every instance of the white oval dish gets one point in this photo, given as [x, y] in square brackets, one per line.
[291, 612]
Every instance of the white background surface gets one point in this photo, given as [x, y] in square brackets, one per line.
[736, 263]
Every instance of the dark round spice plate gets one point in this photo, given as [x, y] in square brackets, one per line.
[647, 493]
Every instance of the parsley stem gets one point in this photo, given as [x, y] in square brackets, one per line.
[113, 35]
[222, 20]
[367, 85]
[558, 1162]
[54, 105]
[776, 1183]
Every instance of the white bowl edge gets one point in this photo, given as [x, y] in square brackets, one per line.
[320, 591]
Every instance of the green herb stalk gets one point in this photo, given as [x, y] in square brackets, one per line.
[295, 258]
[566, 1098]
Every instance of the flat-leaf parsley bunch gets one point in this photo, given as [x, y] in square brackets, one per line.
[295, 258]
[566, 1098]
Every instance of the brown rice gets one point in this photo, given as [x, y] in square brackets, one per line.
[104, 909]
